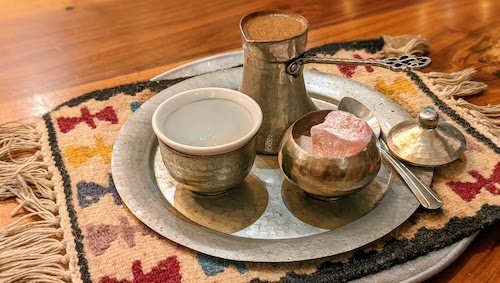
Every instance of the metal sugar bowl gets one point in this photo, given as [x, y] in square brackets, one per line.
[274, 44]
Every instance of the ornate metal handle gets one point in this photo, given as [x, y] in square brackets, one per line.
[402, 63]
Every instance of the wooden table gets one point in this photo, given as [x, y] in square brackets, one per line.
[52, 51]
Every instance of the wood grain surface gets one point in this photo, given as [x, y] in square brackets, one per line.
[52, 51]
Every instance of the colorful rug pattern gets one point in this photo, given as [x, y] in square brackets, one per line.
[86, 234]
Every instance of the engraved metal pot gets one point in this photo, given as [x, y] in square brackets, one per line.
[281, 96]
[273, 71]
[326, 178]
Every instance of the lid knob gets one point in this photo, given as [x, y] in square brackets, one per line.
[428, 118]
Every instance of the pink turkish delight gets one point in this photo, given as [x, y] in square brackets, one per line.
[341, 135]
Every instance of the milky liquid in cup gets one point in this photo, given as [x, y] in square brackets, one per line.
[273, 27]
[208, 122]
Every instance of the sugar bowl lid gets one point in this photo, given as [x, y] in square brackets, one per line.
[427, 142]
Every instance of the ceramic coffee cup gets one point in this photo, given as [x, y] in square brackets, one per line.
[207, 138]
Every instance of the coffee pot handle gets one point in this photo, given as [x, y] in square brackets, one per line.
[402, 63]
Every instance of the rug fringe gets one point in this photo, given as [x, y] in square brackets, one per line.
[17, 144]
[456, 85]
[405, 44]
[31, 248]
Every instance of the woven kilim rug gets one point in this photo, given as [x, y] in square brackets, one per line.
[59, 170]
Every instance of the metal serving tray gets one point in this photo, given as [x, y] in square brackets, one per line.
[148, 191]
[266, 218]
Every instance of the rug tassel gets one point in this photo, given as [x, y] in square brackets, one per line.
[31, 248]
[406, 44]
[456, 85]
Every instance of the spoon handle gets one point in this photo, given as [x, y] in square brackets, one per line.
[423, 193]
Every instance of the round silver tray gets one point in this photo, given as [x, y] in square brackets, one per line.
[285, 226]
[416, 270]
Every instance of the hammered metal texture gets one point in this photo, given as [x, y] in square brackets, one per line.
[134, 175]
[326, 178]
[266, 206]
[282, 97]
[210, 174]
[426, 142]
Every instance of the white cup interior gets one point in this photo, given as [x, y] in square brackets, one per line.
[207, 121]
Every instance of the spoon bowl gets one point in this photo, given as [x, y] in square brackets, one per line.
[355, 107]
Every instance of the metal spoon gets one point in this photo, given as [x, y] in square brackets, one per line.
[423, 193]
